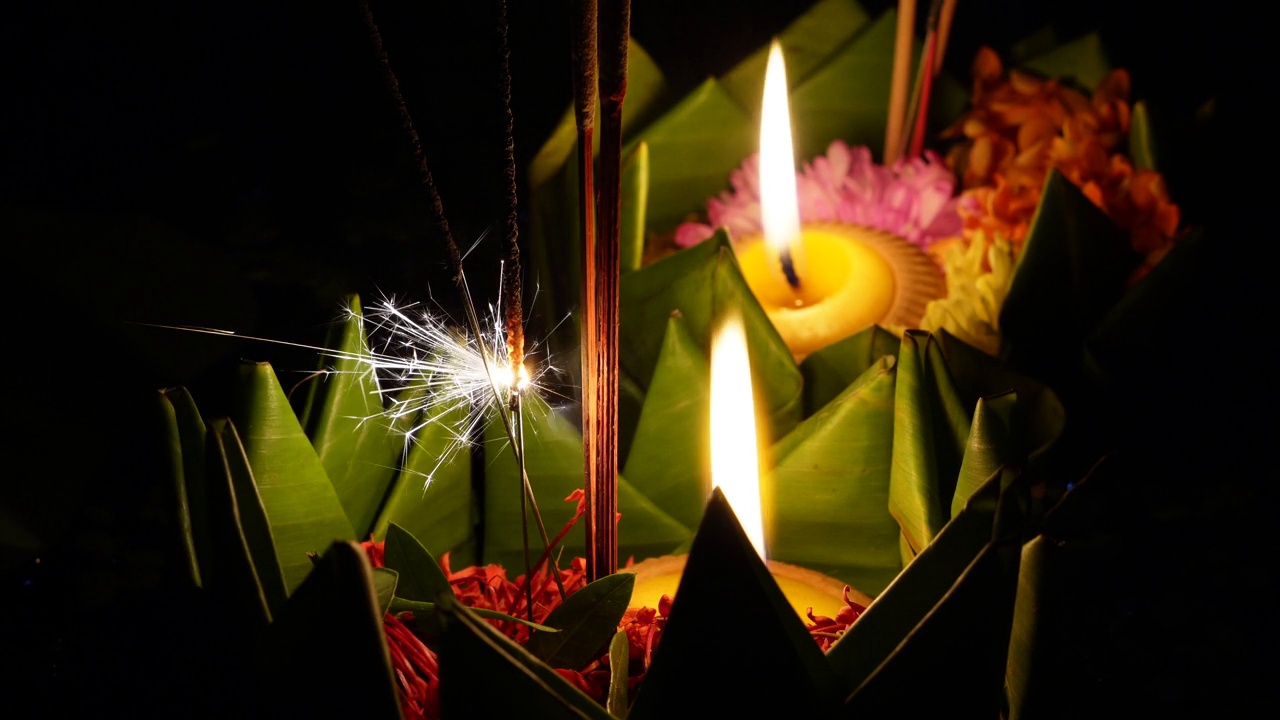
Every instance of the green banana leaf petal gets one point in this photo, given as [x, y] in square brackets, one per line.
[1037, 43]
[635, 201]
[420, 577]
[301, 506]
[342, 417]
[475, 659]
[426, 622]
[1142, 141]
[926, 583]
[806, 43]
[229, 457]
[1083, 60]
[645, 90]
[848, 97]
[973, 616]
[231, 576]
[384, 586]
[1072, 270]
[669, 460]
[1041, 416]
[827, 496]
[1150, 321]
[586, 621]
[702, 282]
[431, 496]
[692, 149]
[183, 449]
[619, 662]
[553, 460]
[762, 658]
[925, 457]
[993, 443]
[326, 654]
[828, 372]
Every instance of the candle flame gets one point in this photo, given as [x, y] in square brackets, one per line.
[779, 208]
[735, 467]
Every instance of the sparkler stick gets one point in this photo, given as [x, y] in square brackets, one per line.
[614, 33]
[584, 58]
[455, 257]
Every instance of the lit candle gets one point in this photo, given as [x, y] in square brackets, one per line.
[735, 470]
[819, 283]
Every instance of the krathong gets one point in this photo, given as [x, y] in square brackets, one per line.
[364, 543]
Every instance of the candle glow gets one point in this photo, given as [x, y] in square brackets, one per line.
[779, 207]
[735, 466]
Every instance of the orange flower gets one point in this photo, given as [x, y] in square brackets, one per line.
[1020, 127]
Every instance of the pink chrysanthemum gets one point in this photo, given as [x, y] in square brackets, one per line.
[913, 199]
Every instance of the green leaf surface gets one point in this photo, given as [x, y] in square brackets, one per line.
[586, 620]
[1083, 60]
[961, 646]
[702, 282]
[1072, 270]
[475, 659]
[341, 416]
[384, 586]
[827, 496]
[431, 496]
[1142, 141]
[229, 457]
[993, 443]
[176, 470]
[429, 611]
[619, 662]
[669, 459]
[829, 371]
[553, 458]
[645, 89]
[692, 149]
[924, 583]
[920, 469]
[420, 576]
[1042, 418]
[326, 654]
[848, 97]
[230, 577]
[726, 585]
[553, 182]
[806, 43]
[301, 506]
[635, 201]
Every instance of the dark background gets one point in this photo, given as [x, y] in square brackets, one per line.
[240, 165]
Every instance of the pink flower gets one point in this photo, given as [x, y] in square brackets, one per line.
[914, 199]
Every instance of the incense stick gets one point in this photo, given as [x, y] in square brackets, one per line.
[944, 33]
[613, 35]
[928, 59]
[584, 57]
[898, 88]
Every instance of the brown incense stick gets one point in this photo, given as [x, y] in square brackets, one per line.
[918, 116]
[901, 79]
[584, 57]
[614, 33]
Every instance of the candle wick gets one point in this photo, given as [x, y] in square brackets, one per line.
[789, 269]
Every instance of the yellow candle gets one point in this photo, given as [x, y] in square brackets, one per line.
[822, 282]
[803, 588]
[847, 286]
